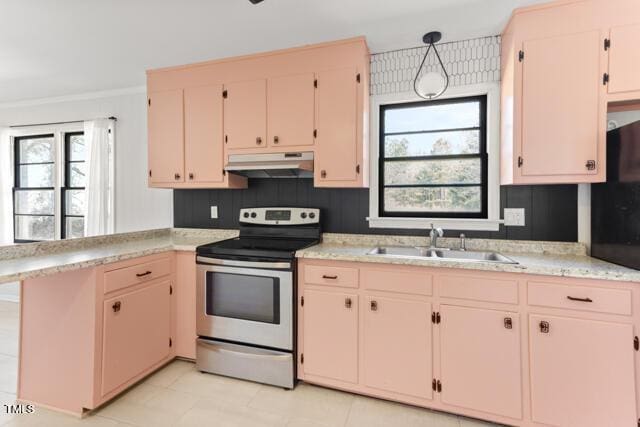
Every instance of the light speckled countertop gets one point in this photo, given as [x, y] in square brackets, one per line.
[545, 258]
[18, 262]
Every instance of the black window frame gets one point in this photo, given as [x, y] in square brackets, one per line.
[17, 185]
[482, 155]
[67, 179]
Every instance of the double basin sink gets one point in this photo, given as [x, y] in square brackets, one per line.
[441, 254]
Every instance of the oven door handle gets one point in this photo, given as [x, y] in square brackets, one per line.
[249, 264]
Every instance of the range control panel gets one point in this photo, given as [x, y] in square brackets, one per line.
[280, 216]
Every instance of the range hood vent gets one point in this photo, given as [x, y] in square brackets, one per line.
[276, 165]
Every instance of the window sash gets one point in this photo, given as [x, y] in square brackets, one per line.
[482, 155]
[67, 179]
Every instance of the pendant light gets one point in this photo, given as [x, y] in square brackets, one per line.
[432, 84]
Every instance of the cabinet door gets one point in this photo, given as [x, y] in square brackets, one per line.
[331, 335]
[336, 156]
[245, 114]
[136, 334]
[290, 103]
[561, 85]
[624, 59]
[166, 137]
[480, 360]
[582, 372]
[203, 134]
[398, 346]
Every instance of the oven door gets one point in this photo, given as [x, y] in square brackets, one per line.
[245, 302]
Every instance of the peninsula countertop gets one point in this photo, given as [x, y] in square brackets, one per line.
[19, 262]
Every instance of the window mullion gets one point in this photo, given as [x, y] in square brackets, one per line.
[59, 182]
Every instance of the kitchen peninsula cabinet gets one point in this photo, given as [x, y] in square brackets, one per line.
[308, 99]
[86, 335]
[512, 348]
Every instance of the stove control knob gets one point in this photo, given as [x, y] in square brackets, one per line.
[303, 215]
[312, 215]
[253, 215]
[246, 215]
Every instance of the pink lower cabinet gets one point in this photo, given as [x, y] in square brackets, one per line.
[397, 346]
[136, 333]
[480, 360]
[88, 334]
[330, 328]
[582, 372]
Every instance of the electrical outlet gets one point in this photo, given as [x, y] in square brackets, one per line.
[214, 212]
[514, 217]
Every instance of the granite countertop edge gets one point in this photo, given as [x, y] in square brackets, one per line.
[573, 266]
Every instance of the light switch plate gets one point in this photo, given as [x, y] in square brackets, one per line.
[214, 212]
[514, 217]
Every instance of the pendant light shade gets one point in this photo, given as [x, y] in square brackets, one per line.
[432, 84]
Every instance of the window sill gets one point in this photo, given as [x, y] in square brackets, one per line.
[465, 224]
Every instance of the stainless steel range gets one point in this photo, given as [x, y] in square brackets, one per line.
[246, 293]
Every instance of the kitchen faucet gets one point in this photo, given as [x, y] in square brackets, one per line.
[433, 235]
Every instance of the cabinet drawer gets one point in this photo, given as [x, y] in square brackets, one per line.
[139, 273]
[478, 289]
[397, 280]
[602, 300]
[332, 276]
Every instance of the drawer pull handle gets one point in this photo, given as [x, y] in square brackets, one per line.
[324, 276]
[116, 306]
[347, 302]
[374, 305]
[146, 273]
[579, 299]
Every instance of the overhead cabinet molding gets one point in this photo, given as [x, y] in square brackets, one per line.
[312, 99]
[562, 64]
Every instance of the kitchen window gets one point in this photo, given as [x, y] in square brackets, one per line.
[49, 188]
[34, 191]
[75, 179]
[433, 160]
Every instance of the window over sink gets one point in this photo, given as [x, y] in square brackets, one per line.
[433, 159]
[436, 162]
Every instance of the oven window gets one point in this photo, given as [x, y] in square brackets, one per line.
[255, 298]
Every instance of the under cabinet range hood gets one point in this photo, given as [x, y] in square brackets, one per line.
[276, 165]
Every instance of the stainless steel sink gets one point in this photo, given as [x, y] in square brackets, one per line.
[441, 254]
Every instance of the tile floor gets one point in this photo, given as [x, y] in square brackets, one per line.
[178, 395]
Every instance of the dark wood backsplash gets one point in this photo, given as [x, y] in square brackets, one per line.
[551, 211]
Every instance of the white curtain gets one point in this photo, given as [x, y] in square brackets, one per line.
[6, 188]
[98, 215]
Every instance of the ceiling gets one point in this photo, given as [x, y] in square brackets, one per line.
[64, 47]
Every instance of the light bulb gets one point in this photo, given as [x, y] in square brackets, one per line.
[431, 84]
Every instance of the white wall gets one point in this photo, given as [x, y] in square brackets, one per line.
[137, 207]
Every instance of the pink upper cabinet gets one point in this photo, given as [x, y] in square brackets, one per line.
[203, 134]
[166, 137]
[290, 110]
[624, 59]
[337, 163]
[582, 372]
[560, 108]
[245, 114]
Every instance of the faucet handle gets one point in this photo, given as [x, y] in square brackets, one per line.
[463, 242]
